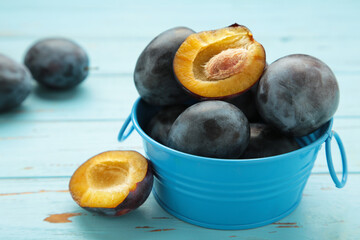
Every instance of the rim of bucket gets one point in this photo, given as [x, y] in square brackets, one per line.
[188, 156]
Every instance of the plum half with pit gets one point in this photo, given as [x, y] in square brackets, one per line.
[57, 63]
[297, 94]
[15, 83]
[159, 125]
[221, 63]
[211, 129]
[265, 141]
[154, 75]
[112, 183]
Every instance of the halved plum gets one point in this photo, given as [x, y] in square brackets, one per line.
[220, 63]
[112, 183]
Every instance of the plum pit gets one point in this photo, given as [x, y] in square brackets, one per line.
[225, 64]
[219, 64]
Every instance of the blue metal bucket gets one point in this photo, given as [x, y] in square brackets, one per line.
[231, 194]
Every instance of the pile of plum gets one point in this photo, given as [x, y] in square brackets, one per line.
[221, 99]
[55, 63]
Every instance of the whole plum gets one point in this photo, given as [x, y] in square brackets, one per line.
[15, 83]
[297, 94]
[266, 141]
[246, 103]
[154, 76]
[159, 126]
[211, 129]
[57, 63]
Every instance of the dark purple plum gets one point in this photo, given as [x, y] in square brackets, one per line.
[57, 63]
[15, 83]
[246, 103]
[211, 129]
[297, 94]
[265, 141]
[154, 75]
[159, 126]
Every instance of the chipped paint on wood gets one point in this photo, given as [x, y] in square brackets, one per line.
[286, 224]
[162, 230]
[144, 227]
[61, 218]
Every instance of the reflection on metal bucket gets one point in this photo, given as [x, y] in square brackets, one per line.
[230, 194]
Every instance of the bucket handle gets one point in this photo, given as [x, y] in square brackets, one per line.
[329, 160]
[122, 135]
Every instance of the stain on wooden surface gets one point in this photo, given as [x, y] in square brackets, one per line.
[286, 224]
[61, 217]
[162, 230]
[144, 227]
[295, 226]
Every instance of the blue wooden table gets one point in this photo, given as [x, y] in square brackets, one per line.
[52, 133]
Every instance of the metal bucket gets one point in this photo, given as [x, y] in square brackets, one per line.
[231, 194]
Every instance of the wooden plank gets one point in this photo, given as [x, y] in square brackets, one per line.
[98, 98]
[112, 97]
[29, 207]
[119, 56]
[126, 18]
[57, 148]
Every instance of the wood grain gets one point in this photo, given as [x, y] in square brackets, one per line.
[322, 214]
[57, 148]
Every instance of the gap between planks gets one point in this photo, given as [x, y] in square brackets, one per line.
[118, 119]
[68, 176]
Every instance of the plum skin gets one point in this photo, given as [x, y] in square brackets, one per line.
[266, 141]
[15, 83]
[211, 129]
[297, 94]
[154, 77]
[134, 199]
[160, 125]
[246, 103]
[57, 63]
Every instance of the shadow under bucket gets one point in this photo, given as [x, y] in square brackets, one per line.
[227, 193]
